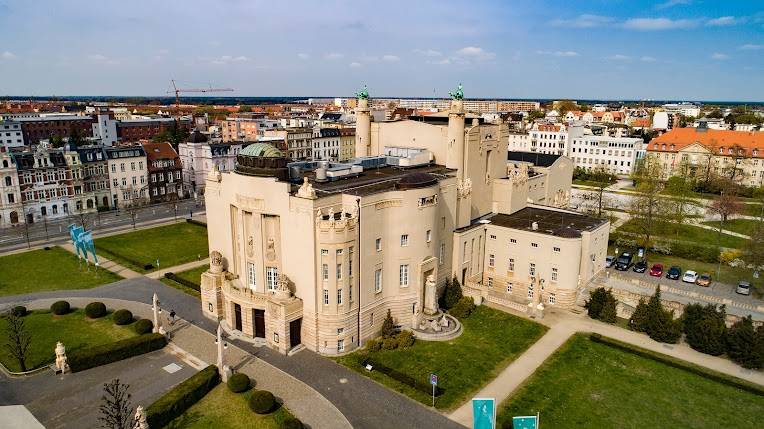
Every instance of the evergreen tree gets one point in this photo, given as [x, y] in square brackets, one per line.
[706, 330]
[654, 312]
[388, 326]
[758, 348]
[638, 320]
[664, 328]
[452, 294]
[595, 302]
[691, 316]
[740, 343]
[608, 313]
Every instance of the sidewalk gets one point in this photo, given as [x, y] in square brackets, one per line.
[107, 264]
[178, 268]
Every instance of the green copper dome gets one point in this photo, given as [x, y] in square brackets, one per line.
[262, 150]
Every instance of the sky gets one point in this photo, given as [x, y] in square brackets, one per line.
[595, 49]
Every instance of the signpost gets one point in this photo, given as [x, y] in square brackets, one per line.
[434, 383]
[484, 413]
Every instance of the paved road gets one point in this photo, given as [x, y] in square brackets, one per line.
[364, 403]
[55, 231]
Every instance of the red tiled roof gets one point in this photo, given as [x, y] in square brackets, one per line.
[159, 151]
[713, 140]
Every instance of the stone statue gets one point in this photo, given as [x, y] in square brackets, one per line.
[282, 287]
[62, 364]
[139, 421]
[464, 189]
[216, 262]
[319, 216]
[458, 93]
[363, 93]
[306, 190]
[430, 299]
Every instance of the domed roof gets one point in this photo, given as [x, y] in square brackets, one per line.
[263, 150]
[197, 137]
[416, 180]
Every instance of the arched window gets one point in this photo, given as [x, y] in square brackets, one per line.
[5, 163]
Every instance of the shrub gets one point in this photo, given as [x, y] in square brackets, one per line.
[122, 317]
[238, 383]
[740, 343]
[705, 328]
[87, 358]
[148, 267]
[291, 423]
[463, 308]
[60, 307]
[405, 339]
[175, 402]
[390, 343]
[184, 282]
[388, 326]
[262, 401]
[595, 302]
[373, 345]
[638, 320]
[143, 326]
[19, 311]
[609, 313]
[94, 310]
[452, 293]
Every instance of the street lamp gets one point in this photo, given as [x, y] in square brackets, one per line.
[221, 345]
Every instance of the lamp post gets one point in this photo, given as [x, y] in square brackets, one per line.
[157, 311]
[219, 341]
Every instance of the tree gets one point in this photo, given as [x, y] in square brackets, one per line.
[726, 204]
[535, 114]
[565, 106]
[600, 180]
[116, 412]
[18, 338]
[705, 328]
[715, 114]
[388, 326]
[452, 293]
[595, 302]
[75, 137]
[658, 322]
[680, 187]
[740, 343]
[245, 108]
[609, 309]
[638, 319]
[754, 254]
[174, 135]
[645, 208]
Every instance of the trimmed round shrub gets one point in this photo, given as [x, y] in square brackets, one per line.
[238, 383]
[60, 308]
[94, 310]
[19, 311]
[123, 317]
[262, 401]
[143, 326]
[291, 423]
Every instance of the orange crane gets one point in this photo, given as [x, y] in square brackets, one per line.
[177, 91]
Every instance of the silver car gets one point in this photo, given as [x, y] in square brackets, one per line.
[743, 288]
[609, 261]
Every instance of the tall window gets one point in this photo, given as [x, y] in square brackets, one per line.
[509, 287]
[552, 298]
[325, 272]
[339, 271]
[271, 276]
[511, 267]
[340, 345]
[378, 281]
[530, 291]
[404, 275]
[441, 253]
[491, 260]
[251, 274]
[404, 240]
[490, 282]
[554, 274]
[378, 244]
[326, 297]
[324, 251]
[339, 296]
[532, 269]
[350, 293]
[428, 235]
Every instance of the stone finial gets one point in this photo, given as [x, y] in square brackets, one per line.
[306, 190]
[214, 174]
[139, 421]
[62, 363]
[216, 262]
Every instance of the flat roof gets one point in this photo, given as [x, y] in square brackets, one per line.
[373, 180]
[563, 224]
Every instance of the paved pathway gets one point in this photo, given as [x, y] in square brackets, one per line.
[107, 264]
[158, 274]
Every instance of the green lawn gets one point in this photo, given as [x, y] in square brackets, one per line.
[44, 270]
[685, 232]
[221, 408]
[490, 341]
[591, 183]
[194, 275]
[172, 244]
[591, 385]
[741, 226]
[752, 209]
[75, 330]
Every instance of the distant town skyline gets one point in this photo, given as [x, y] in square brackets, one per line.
[662, 50]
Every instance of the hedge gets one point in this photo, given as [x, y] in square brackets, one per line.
[143, 326]
[679, 364]
[262, 402]
[95, 310]
[181, 397]
[59, 308]
[19, 311]
[122, 317]
[238, 382]
[420, 385]
[291, 423]
[184, 282]
[80, 360]
[196, 222]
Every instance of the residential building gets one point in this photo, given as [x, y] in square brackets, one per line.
[85, 200]
[347, 143]
[712, 124]
[39, 128]
[296, 141]
[198, 157]
[164, 172]
[518, 106]
[145, 129]
[11, 134]
[240, 129]
[317, 253]
[128, 169]
[10, 192]
[326, 144]
[46, 184]
[95, 174]
[616, 155]
[684, 109]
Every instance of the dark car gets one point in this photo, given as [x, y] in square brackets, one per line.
[674, 273]
[640, 266]
[623, 262]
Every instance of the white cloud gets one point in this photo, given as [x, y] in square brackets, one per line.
[750, 47]
[559, 53]
[723, 21]
[226, 59]
[657, 24]
[672, 3]
[718, 56]
[102, 59]
[476, 52]
[390, 58]
[440, 62]
[583, 21]
[648, 59]
[7, 55]
[303, 56]
[333, 56]
[428, 52]
[355, 64]
[619, 57]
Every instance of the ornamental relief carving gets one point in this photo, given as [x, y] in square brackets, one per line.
[387, 204]
[250, 203]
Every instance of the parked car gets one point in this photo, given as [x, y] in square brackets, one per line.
[609, 261]
[690, 276]
[674, 273]
[743, 288]
[704, 280]
[656, 270]
[640, 266]
[623, 262]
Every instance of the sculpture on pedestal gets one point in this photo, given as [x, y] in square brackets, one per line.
[458, 93]
[139, 421]
[216, 262]
[62, 363]
[430, 299]
[428, 321]
[363, 93]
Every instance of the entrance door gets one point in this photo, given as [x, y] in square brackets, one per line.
[295, 327]
[259, 316]
[237, 316]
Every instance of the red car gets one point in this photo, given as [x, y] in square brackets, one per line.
[656, 270]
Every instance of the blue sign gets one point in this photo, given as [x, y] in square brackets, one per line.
[525, 422]
[483, 413]
[433, 379]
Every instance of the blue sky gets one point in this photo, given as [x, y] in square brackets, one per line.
[630, 49]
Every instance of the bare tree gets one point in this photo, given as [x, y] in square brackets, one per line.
[680, 188]
[646, 207]
[727, 204]
[116, 412]
[19, 339]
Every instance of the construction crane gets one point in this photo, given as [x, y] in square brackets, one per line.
[177, 91]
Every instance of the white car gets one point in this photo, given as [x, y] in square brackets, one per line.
[690, 276]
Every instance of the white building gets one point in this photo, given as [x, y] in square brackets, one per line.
[105, 129]
[198, 157]
[616, 155]
[11, 134]
[326, 144]
[127, 176]
[10, 193]
[684, 109]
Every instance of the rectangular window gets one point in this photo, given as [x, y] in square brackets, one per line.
[340, 345]
[339, 296]
[532, 269]
[556, 249]
[326, 297]
[340, 331]
[132, 166]
[441, 253]
[114, 168]
[271, 276]
[509, 287]
[324, 251]
[490, 282]
[325, 272]
[428, 235]
[339, 271]
[554, 274]
[339, 252]
[404, 240]
[534, 245]
[511, 267]
[378, 244]
[530, 291]
[512, 241]
[377, 281]
[552, 298]
[404, 275]
[491, 260]
[251, 275]
[493, 237]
